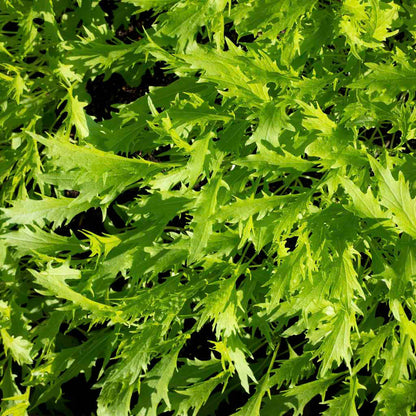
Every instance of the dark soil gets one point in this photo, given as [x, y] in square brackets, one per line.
[115, 90]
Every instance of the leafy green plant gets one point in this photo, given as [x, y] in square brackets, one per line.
[239, 237]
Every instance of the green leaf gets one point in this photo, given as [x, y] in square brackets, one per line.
[363, 203]
[268, 159]
[345, 403]
[397, 399]
[156, 384]
[388, 80]
[395, 195]
[94, 172]
[202, 222]
[54, 281]
[36, 211]
[299, 396]
[296, 368]
[26, 240]
[337, 345]
[19, 348]
[198, 394]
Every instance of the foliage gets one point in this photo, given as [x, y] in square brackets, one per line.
[240, 238]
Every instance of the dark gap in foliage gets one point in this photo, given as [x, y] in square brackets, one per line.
[275, 186]
[90, 220]
[17, 371]
[119, 283]
[52, 409]
[291, 243]
[240, 281]
[198, 345]
[70, 193]
[230, 33]
[401, 36]
[10, 29]
[158, 76]
[297, 342]
[148, 284]
[176, 187]
[115, 90]
[306, 181]
[235, 399]
[30, 59]
[110, 42]
[386, 139]
[325, 3]
[114, 217]
[134, 399]
[380, 136]
[134, 31]
[60, 115]
[108, 7]
[408, 313]
[338, 370]
[383, 311]
[25, 261]
[368, 408]
[364, 372]
[160, 154]
[248, 250]
[316, 201]
[328, 109]
[218, 99]
[130, 194]
[36, 75]
[283, 353]
[167, 239]
[410, 146]
[343, 91]
[292, 321]
[314, 407]
[307, 67]
[181, 221]
[104, 94]
[128, 34]
[263, 351]
[259, 258]
[84, 392]
[252, 255]
[184, 278]
[82, 256]
[246, 39]
[200, 184]
[162, 277]
[258, 191]
[188, 324]
[202, 36]
[365, 260]
[39, 22]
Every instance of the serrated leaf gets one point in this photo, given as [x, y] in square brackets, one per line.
[395, 195]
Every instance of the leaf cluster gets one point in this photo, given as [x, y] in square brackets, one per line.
[239, 238]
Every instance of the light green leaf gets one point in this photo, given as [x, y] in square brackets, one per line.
[395, 195]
